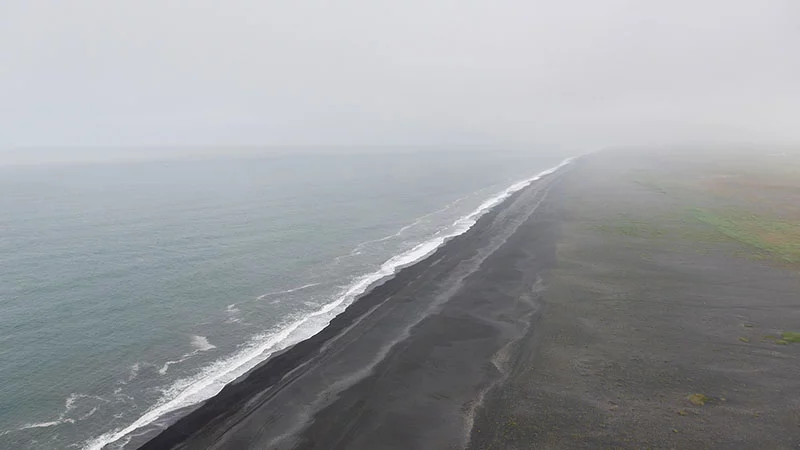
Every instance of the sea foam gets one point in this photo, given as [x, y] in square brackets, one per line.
[200, 344]
[71, 407]
[287, 291]
[213, 378]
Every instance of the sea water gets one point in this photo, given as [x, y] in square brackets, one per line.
[131, 290]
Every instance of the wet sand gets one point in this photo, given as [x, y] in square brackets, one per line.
[406, 365]
[587, 311]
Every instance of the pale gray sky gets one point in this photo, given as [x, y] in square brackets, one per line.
[573, 73]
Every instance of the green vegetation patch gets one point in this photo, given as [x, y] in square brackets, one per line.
[776, 238]
[776, 339]
[698, 399]
[790, 336]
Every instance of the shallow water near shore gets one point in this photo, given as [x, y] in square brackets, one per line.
[132, 290]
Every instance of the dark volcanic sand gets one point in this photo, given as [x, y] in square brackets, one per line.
[580, 313]
[648, 306]
[406, 365]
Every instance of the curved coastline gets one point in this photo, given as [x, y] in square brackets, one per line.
[185, 421]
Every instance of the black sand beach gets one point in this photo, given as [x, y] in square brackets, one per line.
[406, 364]
[661, 326]
[613, 304]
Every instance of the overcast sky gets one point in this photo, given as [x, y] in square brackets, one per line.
[570, 73]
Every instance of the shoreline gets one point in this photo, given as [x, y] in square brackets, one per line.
[662, 323]
[281, 363]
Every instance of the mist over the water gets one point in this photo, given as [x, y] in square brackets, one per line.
[153, 284]
[188, 186]
[569, 74]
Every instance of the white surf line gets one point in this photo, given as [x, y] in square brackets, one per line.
[381, 354]
[357, 250]
[233, 314]
[200, 344]
[69, 406]
[288, 291]
[211, 380]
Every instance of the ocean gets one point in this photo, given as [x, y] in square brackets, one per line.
[131, 290]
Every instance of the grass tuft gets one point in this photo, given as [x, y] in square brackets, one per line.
[778, 239]
[790, 336]
[698, 399]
